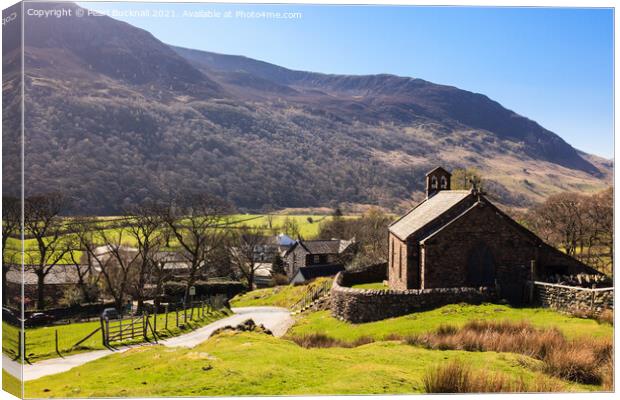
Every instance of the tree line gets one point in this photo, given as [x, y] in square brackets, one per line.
[189, 229]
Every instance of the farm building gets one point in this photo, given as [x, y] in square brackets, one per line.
[308, 259]
[59, 279]
[458, 238]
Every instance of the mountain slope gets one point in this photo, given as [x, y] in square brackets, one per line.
[114, 116]
[417, 99]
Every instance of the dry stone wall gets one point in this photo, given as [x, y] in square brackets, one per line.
[572, 298]
[363, 305]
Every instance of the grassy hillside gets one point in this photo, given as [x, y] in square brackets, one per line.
[257, 364]
[280, 296]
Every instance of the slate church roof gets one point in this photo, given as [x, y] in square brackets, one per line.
[427, 211]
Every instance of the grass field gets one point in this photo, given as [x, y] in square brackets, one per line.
[456, 314]
[279, 296]
[374, 285]
[40, 342]
[258, 364]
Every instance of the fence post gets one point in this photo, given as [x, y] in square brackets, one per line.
[145, 322]
[155, 319]
[24, 345]
[120, 329]
[19, 344]
[184, 314]
[176, 309]
[166, 317]
[56, 340]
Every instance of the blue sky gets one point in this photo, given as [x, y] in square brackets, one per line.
[553, 65]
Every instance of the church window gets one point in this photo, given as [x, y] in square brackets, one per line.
[444, 182]
[434, 182]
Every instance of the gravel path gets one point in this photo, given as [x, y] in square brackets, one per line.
[277, 320]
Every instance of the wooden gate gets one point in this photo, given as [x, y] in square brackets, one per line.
[127, 329]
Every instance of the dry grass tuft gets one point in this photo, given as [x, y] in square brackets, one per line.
[577, 360]
[606, 316]
[319, 340]
[456, 377]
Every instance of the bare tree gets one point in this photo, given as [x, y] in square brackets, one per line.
[42, 221]
[82, 260]
[245, 251]
[560, 221]
[11, 223]
[291, 228]
[581, 225]
[114, 261]
[146, 230]
[196, 222]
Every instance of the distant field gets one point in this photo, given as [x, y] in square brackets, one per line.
[308, 225]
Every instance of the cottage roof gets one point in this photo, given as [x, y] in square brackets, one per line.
[58, 275]
[321, 246]
[427, 211]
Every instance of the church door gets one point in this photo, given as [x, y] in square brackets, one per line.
[480, 266]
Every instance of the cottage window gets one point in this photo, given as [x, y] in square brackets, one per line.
[316, 259]
[434, 182]
[444, 182]
[393, 262]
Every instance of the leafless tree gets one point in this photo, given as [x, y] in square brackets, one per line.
[245, 252]
[291, 228]
[81, 259]
[582, 225]
[42, 222]
[114, 261]
[369, 231]
[11, 223]
[560, 220]
[195, 221]
[146, 230]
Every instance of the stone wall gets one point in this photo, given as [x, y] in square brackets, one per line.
[571, 298]
[361, 305]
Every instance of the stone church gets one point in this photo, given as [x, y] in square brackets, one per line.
[458, 238]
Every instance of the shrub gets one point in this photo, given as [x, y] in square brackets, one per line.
[280, 279]
[456, 377]
[606, 316]
[319, 340]
[607, 375]
[577, 360]
[572, 363]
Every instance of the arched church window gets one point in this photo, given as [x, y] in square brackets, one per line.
[434, 182]
[444, 182]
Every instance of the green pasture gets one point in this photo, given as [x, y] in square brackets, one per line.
[40, 342]
[249, 364]
[455, 314]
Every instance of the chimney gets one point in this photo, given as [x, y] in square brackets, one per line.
[437, 180]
